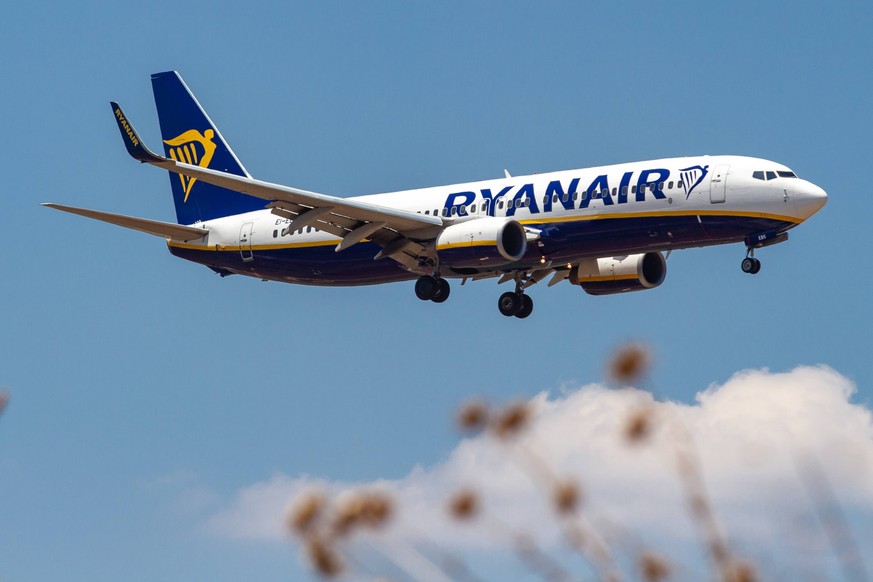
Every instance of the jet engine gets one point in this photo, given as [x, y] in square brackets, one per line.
[611, 275]
[482, 242]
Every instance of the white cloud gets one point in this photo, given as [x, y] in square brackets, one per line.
[751, 434]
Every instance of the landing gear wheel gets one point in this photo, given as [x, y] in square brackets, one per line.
[442, 291]
[526, 307]
[509, 303]
[751, 265]
[756, 267]
[426, 287]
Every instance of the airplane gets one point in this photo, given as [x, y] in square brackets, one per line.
[606, 229]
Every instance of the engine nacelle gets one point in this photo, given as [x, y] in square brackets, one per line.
[620, 275]
[482, 242]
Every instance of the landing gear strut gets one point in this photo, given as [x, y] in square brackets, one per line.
[750, 264]
[431, 288]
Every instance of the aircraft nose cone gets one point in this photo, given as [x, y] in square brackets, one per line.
[809, 199]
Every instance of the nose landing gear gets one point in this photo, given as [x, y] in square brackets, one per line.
[750, 264]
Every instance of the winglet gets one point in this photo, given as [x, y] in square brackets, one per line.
[132, 142]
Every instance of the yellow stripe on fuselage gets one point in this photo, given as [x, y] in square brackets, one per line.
[659, 213]
[577, 218]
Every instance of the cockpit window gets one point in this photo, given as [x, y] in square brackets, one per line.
[787, 174]
[758, 175]
[771, 175]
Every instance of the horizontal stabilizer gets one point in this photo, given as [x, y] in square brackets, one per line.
[153, 227]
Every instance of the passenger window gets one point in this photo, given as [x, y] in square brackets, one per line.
[771, 175]
[679, 184]
[670, 185]
[565, 197]
[275, 234]
[445, 211]
[661, 186]
[500, 205]
[427, 212]
[758, 175]
[485, 206]
[554, 199]
[473, 209]
[308, 229]
[575, 195]
[613, 190]
[624, 190]
[634, 189]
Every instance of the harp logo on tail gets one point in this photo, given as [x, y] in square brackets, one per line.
[692, 177]
[194, 148]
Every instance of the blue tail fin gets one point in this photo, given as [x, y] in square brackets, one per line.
[190, 136]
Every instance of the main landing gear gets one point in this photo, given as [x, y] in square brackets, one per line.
[431, 288]
[516, 302]
[750, 264]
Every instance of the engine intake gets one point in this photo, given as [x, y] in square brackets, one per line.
[482, 242]
[611, 275]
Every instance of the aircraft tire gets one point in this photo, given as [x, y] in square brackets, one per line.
[509, 303]
[756, 267]
[748, 265]
[526, 307]
[426, 287]
[442, 291]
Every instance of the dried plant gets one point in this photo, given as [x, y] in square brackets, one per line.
[653, 568]
[629, 364]
[325, 526]
[511, 420]
[473, 416]
[464, 504]
[323, 557]
[304, 512]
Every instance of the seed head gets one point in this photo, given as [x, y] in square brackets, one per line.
[348, 511]
[741, 572]
[323, 558]
[566, 496]
[464, 504]
[638, 426]
[653, 567]
[630, 363]
[473, 416]
[376, 509]
[304, 512]
[512, 420]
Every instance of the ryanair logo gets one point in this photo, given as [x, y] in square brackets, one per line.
[692, 177]
[127, 128]
[194, 148]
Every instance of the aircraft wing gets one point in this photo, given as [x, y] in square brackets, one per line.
[399, 232]
[155, 227]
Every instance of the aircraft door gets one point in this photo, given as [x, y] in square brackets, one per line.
[718, 184]
[245, 242]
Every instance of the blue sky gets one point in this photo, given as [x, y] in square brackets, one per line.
[147, 392]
